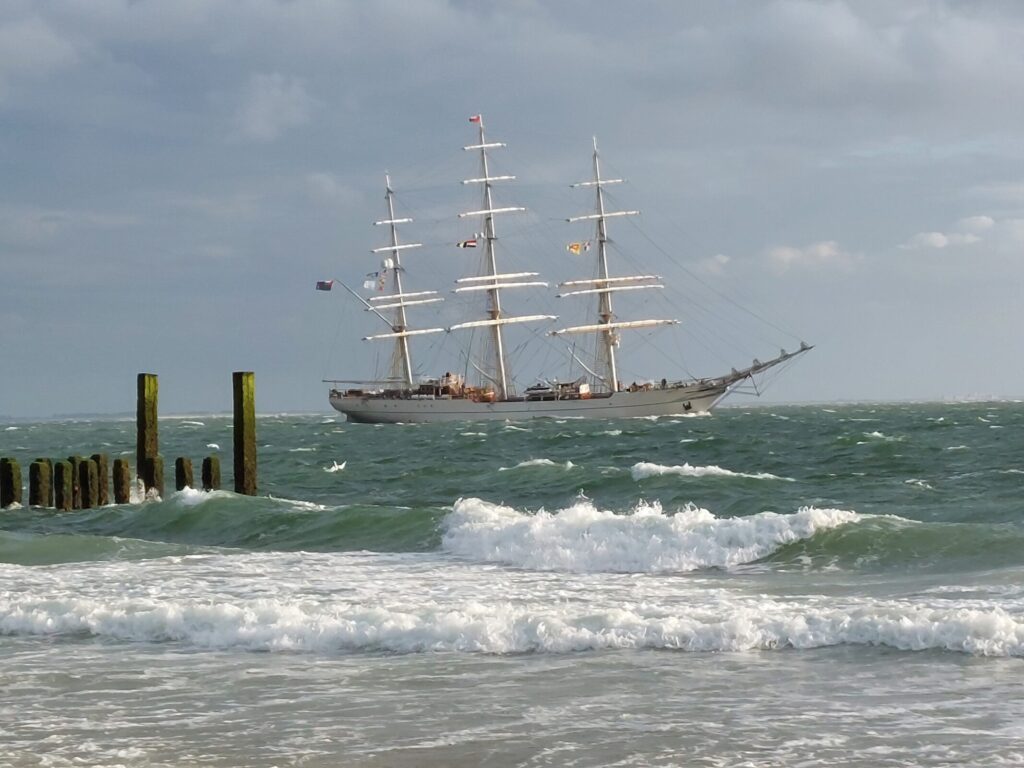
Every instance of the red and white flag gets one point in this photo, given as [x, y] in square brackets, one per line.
[475, 119]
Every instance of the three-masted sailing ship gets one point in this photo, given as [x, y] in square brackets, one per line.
[451, 397]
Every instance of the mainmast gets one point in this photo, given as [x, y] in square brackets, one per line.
[492, 281]
[604, 285]
[398, 299]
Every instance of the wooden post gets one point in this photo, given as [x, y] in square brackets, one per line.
[48, 501]
[76, 481]
[40, 483]
[154, 470]
[102, 478]
[88, 480]
[211, 473]
[183, 473]
[122, 482]
[63, 488]
[245, 432]
[146, 443]
[10, 482]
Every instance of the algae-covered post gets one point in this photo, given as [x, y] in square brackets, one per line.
[153, 470]
[10, 482]
[183, 473]
[76, 481]
[211, 473]
[102, 475]
[122, 481]
[88, 480]
[245, 432]
[40, 483]
[48, 501]
[146, 443]
[63, 493]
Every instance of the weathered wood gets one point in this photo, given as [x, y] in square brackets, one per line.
[63, 487]
[102, 478]
[48, 502]
[88, 480]
[245, 431]
[76, 481]
[10, 482]
[211, 473]
[146, 442]
[154, 470]
[122, 481]
[40, 483]
[183, 473]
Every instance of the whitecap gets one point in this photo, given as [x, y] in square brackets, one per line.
[538, 463]
[336, 467]
[213, 445]
[585, 538]
[193, 423]
[645, 469]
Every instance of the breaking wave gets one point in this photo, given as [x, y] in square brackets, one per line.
[507, 627]
[585, 538]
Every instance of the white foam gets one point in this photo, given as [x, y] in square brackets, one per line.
[335, 467]
[538, 463]
[190, 497]
[301, 450]
[193, 423]
[645, 469]
[512, 627]
[612, 432]
[213, 445]
[11, 429]
[584, 538]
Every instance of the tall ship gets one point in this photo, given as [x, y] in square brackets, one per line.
[486, 386]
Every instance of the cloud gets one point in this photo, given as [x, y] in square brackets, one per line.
[821, 254]
[975, 223]
[325, 188]
[968, 231]
[714, 265]
[272, 104]
[29, 48]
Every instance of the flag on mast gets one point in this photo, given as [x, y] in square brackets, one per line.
[471, 243]
[324, 285]
[475, 119]
[577, 248]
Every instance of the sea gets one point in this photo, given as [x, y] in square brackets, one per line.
[766, 586]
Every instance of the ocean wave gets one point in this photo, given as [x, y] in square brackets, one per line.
[645, 469]
[538, 463]
[585, 538]
[505, 627]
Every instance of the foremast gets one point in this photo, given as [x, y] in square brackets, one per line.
[493, 281]
[398, 299]
[604, 285]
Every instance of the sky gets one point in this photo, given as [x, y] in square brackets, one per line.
[178, 175]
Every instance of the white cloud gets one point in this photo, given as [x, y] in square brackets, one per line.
[975, 224]
[714, 265]
[272, 104]
[29, 48]
[923, 240]
[325, 188]
[821, 254]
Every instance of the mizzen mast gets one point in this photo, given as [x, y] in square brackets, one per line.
[492, 281]
[604, 285]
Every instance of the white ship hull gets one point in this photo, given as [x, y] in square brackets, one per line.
[695, 398]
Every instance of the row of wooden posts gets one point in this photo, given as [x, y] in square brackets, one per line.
[82, 483]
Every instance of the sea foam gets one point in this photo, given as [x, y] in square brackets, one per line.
[585, 538]
[506, 627]
[538, 463]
